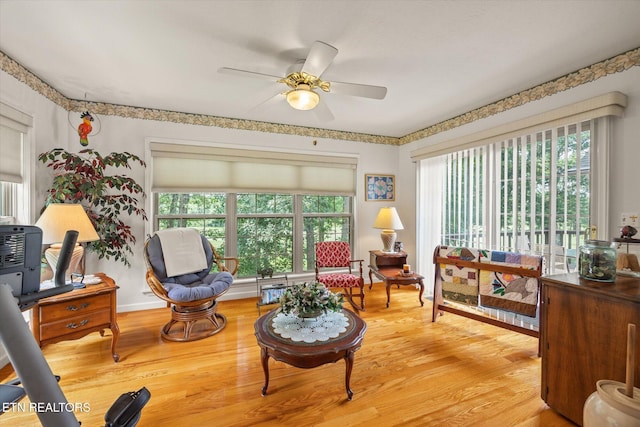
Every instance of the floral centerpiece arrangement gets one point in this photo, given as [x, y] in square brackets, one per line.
[310, 299]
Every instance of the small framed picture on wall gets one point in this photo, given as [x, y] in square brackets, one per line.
[380, 187]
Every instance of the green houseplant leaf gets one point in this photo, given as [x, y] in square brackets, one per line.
[82, 178]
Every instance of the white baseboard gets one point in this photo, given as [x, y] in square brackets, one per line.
[237, 291]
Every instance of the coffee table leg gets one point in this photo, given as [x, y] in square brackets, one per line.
[264, 355]
[421, 292]
[348, 358]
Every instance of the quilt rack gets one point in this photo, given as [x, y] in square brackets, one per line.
[483, 278]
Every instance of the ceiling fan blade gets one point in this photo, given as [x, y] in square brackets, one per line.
[252, 74]
[319, 58]
[266, 102]
[322, 112]
[354, 89]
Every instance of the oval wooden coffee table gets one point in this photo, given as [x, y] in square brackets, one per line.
[309, 355]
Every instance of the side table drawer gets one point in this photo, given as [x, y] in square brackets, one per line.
[74, 324]
[68, 309]
[380, 260]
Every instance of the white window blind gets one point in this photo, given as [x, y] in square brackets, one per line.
[533, 185]
[520, 189]
[11, 149]
[183, 167]
[527, 194]
[16, 172]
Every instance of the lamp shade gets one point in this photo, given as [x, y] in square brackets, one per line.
[388, 219]
[303, 98]
[60, 217]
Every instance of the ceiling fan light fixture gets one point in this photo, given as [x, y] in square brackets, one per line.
[303, 98]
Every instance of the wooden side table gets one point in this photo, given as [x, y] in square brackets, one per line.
[387, 266]
[74, 314]
[309, 355]
[380, 259]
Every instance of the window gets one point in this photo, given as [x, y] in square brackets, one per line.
[526, 194]
[263, 207]
[533, 185]
[260, 228]
[8, 202]
[204, 212]
[14, 166]
[325, 218]
[265, 232]
[533, 193]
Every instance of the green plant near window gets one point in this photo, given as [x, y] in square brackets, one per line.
[82, 178]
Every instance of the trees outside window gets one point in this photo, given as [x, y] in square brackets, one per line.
[526, 194]
[260, 229]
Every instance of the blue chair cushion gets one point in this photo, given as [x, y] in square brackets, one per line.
[212, 285]
[191, 286]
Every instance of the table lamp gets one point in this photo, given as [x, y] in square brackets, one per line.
[54, 222]
[389, 221]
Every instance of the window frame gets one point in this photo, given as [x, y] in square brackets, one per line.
[429, 225]
[231, 222]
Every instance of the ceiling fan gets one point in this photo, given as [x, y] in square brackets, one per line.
[303, 79]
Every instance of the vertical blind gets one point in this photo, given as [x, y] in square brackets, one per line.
[527, 194]
[531, 185]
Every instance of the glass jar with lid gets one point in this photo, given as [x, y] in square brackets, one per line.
[597, 261]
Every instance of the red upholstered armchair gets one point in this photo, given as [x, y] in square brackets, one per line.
[333, 255]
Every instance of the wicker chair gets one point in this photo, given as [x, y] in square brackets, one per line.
[192, 297]
[332, 255]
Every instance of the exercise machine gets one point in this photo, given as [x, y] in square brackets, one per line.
[20, 259]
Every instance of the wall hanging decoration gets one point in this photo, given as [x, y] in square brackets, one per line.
[380, 187]
[86, 128]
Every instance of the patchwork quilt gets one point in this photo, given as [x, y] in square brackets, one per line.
[507, 291]
[476, 286]
[459, 284]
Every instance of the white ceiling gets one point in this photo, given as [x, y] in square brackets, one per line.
[437, 58]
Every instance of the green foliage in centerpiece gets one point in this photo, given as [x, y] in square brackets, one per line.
[306, 299]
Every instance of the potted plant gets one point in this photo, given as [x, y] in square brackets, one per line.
[310, 300]
[82, 178]
[265, 271]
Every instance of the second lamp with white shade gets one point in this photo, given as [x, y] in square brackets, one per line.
[389, 221]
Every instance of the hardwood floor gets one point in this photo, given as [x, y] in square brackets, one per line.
[409, 372]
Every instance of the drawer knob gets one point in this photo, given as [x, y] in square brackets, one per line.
[76, 308]
[77, 325]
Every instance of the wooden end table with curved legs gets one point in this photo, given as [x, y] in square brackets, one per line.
[309, 355]
[387, 266]
[391, 276]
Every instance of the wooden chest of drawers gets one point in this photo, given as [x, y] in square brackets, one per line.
[583, 337]
[77, 313]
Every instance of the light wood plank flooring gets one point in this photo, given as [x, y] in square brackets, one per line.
[409, 372]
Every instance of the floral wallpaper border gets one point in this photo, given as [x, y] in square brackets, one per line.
[589, 74]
